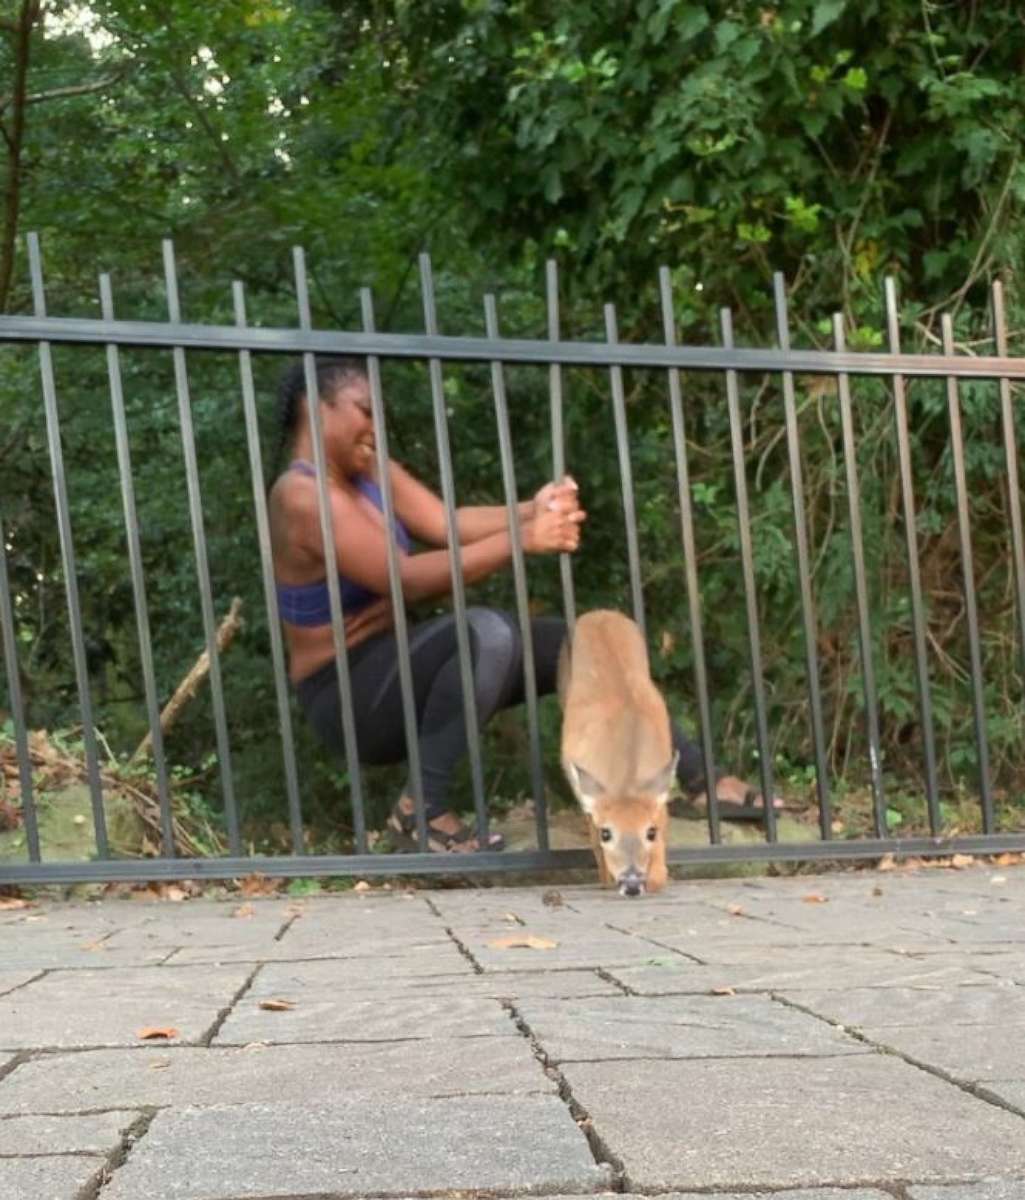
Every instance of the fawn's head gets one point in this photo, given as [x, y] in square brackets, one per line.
[630, 822]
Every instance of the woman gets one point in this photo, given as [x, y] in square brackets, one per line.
[549, 524]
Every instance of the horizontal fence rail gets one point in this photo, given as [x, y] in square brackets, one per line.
[606, 361]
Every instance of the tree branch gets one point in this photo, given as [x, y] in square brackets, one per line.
[77, 89]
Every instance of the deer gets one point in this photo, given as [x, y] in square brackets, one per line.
[617, 750]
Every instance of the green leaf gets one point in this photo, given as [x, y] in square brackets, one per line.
[826, 12]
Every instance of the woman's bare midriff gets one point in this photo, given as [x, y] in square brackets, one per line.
[310, 648]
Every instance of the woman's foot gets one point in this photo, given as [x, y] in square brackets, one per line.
[736, 800]
[446, 833]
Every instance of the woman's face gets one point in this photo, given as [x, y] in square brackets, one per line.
[349, 427]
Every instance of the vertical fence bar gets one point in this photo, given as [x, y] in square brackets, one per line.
[750, 597]
[1011, 460]
[558, 434]
[60, 495]
[245, 366]
[900, 412]
[10, 646]
[690, 560]
[968, 573]
[519, 577]
[327, 534]
[860, 586]
[625, 475]
[181, 380]
[394, 577]
[124, 464]
[455, 555]
[808, 619]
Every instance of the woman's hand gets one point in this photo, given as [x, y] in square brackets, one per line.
[558, 496]
[553, 531]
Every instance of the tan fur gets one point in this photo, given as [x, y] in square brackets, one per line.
[616, 749]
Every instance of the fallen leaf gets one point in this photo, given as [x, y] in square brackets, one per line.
[815, 898]
[512, 918]
[525, 941]
[93, 946]
[152, 1033]
[877, 891]
[998, 879]
[277, 1005]
[960, 861]
[12, 902]
[160, 1064]
[174, 893]
[735, 910]
[362, 886]
[244, 910]
[724, 991]
[259, 885]
[887, 863]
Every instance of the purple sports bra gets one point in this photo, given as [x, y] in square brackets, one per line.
[309, 604]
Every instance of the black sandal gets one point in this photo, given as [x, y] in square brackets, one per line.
[402, 827]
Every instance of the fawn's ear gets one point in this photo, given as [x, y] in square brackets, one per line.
[586, 788]
[660, 784]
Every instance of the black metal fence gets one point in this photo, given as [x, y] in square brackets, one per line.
[726, 361]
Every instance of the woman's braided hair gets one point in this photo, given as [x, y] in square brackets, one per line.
[332, 374]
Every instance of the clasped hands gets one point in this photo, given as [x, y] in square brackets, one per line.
[554, 522]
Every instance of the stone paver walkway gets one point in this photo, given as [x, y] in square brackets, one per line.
[858, 1036]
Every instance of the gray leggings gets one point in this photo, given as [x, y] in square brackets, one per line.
[497, 653]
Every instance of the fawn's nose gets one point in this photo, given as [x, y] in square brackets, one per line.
[631, 883]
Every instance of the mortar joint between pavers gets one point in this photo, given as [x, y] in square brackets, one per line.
[600, 1150]
[608, 977]
[208, 1037]
[134, 1133]
[465, 951]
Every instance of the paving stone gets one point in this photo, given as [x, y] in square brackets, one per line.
[969, 1052]
[287, 979]
[48, 1178]
[819, 1121]
[97, 1133]
[151, 1078]
[799, 967]
[71, 950]
[995, 1189]
[629, 1027]
[490, 1143]
[803, 1194]
[9, 980]
[993, 1005]
[573, 948]
[108, 1008]
[350, 1017]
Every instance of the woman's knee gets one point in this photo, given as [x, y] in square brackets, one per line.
[497, 653]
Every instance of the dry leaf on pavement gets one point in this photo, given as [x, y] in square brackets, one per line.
[526, 941]
[735, 910]
[12, 902]
[277, 1005]
[244, 910]
[815, 898]
[724, 991]
[153, 1033]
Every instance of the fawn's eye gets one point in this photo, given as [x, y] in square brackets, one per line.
[605, 834]
[652, 833]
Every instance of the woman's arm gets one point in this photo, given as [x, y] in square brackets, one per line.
[423, 513]
[362, 555]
